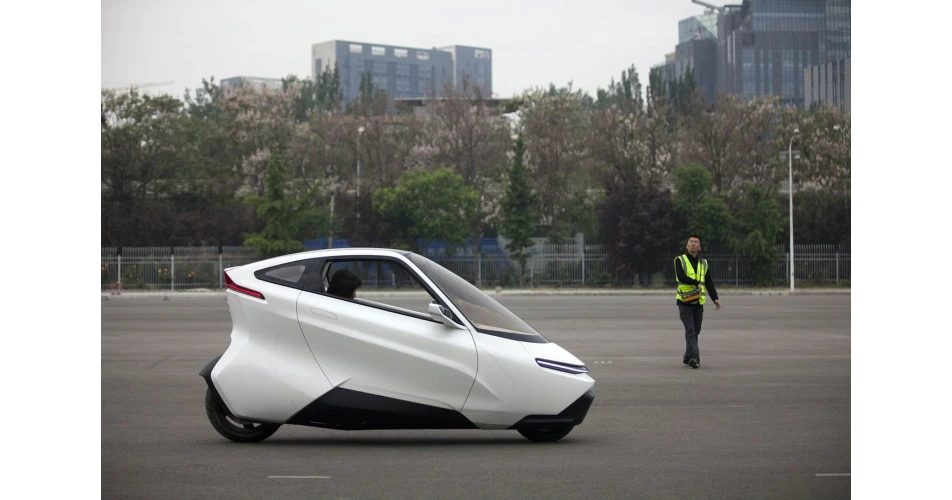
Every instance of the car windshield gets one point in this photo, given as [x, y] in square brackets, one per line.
[487, 315]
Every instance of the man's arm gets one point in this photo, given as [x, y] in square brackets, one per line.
[682, 276]
[709, 285]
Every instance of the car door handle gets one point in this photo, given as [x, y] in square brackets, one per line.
[321, 312]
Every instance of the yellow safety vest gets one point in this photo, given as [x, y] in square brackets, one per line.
[697, 275]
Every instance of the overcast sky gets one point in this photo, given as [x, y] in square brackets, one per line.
[533, 42]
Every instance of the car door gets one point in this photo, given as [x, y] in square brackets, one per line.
[379, 345]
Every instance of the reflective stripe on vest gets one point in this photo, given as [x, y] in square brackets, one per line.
[690, 272]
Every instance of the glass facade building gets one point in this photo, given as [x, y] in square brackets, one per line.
[702, 27]
[404, 72]
[769, 47]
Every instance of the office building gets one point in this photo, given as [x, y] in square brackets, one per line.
[404, 72]
[767, 47]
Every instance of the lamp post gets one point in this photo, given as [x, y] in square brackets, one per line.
[796, 132]
[360, 131]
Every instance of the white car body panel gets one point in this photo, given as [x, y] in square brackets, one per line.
[295, 346]
[534, 390]
[389, 354]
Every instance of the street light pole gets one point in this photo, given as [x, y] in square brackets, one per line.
[360, 131]
[790, 191]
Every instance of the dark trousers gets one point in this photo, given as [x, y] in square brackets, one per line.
[691, 317]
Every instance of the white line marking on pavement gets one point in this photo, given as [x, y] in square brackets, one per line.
[833, 474]
[299, 477]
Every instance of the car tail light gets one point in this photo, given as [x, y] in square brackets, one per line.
[240, 289]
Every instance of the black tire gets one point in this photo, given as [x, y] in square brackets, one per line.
[546, 435]
[238, 431]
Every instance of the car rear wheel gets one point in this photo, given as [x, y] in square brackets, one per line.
[546, 435]
[241, 431]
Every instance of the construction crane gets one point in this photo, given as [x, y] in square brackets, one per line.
[709, 6]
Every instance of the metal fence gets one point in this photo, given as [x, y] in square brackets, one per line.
[569, 265]
[169, 268]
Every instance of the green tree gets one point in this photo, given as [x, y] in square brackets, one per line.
[427, 206]
[703, 212]
[637, 225]
[625, 94]
[762, 224]
[519, 210]
[287, 219]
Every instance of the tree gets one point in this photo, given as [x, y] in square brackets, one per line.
[761, 223]
[261, 121]
[286, 218]
[637, 225]
[732, 141]
[427, 206]
[519, 210]
[703, 212]
[554, 125]
[624, 94]
[465, 132]
[137, 139]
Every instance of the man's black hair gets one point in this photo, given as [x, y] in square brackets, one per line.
[343, 284]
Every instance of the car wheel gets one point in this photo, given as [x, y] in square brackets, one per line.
[546, 435]
[241, 431]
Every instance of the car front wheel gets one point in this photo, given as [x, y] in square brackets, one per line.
[546, 435]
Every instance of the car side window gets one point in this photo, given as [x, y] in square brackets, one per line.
[292, 274]
[384, 284]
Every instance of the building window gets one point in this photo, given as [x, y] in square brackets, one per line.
[749, 81]
[787, 73]
[422, 55]
[356, 48]
[378, 51]
[401, 53]
[482, 54]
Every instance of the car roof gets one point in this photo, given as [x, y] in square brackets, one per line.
[329, 252]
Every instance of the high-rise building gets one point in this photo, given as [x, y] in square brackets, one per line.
[767, 47]
[829, 81]
[404, 72]
[699, 27]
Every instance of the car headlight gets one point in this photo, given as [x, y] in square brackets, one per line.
[562, 367]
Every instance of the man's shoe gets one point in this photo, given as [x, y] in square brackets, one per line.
[694, 363]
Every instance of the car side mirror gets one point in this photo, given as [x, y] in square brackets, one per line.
[442, 314]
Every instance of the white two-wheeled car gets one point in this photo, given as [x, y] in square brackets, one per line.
[442, 355]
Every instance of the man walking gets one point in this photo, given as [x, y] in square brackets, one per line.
[694, 282]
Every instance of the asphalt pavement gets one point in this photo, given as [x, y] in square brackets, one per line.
[767, 415]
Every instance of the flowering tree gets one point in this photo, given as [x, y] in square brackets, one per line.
[465, 132]
[554, 125]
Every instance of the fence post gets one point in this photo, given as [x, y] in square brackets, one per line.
[531, 270]
[786, 266]
[736, 270]
[221, 269]
[479, 269]
[119, 267]
[172, 249]
[582, 247]
[837, 268]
